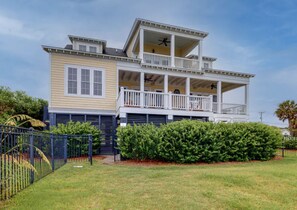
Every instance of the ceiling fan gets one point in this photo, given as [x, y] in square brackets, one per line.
[147, 79]
[164, 41]
[213, 86]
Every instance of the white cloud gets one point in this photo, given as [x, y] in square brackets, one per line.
[13, 27]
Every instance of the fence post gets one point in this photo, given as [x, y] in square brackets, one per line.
[283, 147]
[31, 152]
[52, 151]
[65, 148]
[90, 149]
[1, 164]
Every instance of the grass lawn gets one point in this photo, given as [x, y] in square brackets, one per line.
[255, 185]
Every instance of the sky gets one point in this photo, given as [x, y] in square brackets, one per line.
[251, 36]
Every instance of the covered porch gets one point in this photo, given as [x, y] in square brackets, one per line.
[166, 92]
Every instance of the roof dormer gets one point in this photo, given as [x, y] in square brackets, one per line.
[87, 44]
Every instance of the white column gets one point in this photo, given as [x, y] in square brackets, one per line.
[166, 96]
[169, 100]
[247, 92]
[200, 54]
[122, 97]
[172, 50]
[188, 92]
[141, 89]
[219, 96]
[141, 37]
[166, 83]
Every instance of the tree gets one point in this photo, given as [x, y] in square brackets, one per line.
[288, 111]
[18, 102]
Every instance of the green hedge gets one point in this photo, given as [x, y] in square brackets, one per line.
[193, 141]
[79, 128]
[138, 142]
[290, 142]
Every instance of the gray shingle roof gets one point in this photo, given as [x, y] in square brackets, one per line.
[114, 52]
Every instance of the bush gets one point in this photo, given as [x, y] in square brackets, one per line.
[138, 142]
[193, 141]
[79, 128]
[290, 142]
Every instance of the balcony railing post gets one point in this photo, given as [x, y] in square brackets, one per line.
[122, 97]
[169, 100]
[187, 102]
[141, 99]
[210, 103]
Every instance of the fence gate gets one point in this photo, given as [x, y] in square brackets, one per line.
[80, 148]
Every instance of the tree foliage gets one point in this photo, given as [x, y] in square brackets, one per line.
[18, 102]
[287, 110]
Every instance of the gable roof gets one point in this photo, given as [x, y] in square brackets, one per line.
[139, 21]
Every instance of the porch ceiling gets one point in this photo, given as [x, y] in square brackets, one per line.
[151, 37]
[156, 79]
[207, 84]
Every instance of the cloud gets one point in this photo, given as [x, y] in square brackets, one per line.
[13, 27]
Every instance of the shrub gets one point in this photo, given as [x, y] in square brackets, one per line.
[193, 141]
[290, 142]
[138, 142]
[79, 128]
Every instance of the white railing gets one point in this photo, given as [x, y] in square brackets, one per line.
[192, 103]
[156, 59]
[186, 63]
[135, 98]
[233, 109]
[154, 100]
[215, 107]
[131, 98]
[165, 60]
[227, 108]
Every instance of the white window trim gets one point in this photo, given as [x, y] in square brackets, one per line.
[88, 45]
[92, 69]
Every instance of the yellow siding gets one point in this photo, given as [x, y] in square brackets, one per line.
[58, 98]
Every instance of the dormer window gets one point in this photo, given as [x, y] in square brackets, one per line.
[82, 48]
[93, 49]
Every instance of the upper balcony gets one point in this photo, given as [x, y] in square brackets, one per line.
[168, 50]
[164, 45]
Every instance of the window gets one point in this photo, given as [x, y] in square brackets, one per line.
[72, 80]
[82, 47]
[85, 82]
[93, 49]
[206, 65]
[97, 83]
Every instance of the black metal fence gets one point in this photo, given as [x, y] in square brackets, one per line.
[27, 155]
[288, 147]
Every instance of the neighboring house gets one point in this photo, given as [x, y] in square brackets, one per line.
[285, 131]
[154, 78]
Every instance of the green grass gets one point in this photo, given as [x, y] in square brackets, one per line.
[255, 185]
